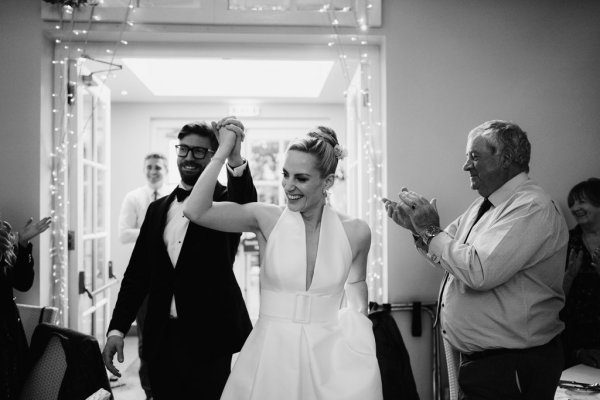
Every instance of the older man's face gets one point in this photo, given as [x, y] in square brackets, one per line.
[484, 167]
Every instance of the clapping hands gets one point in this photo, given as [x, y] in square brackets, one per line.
[412, 211]
[31, 230]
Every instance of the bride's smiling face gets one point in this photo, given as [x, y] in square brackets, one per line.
[302, 181]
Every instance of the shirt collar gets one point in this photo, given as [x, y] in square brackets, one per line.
[504, 192]
[164, 190]
[181, 185]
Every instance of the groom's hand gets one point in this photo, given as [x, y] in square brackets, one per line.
[114, 344]
[226, 138]
[232, 124]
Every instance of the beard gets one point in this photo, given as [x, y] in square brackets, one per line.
[190, 177]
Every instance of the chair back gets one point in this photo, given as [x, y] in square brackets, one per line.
[46, 376]
[65, 365]
[32, 316]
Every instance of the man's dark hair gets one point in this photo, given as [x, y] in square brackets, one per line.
[201, 129]
[588, 190]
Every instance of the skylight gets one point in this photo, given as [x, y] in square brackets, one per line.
[231, 78]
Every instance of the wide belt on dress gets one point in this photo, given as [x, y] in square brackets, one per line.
[300, 307]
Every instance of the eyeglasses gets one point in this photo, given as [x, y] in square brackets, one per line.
[197, 152]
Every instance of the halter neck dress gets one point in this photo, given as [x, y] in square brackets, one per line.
[305, 345]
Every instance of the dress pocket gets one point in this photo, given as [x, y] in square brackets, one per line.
[357, 330]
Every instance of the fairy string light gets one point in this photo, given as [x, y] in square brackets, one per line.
[59, 174]
[65, 140]
[370, 137]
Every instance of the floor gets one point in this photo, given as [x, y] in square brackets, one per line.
[127, 387]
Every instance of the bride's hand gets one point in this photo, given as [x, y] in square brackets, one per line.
[231, 124]
[227, 139]
[231, 120]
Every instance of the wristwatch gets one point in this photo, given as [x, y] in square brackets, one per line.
[430, 232]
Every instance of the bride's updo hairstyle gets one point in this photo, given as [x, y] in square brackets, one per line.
[321, 142]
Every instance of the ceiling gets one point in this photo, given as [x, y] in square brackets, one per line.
[209, 29]
[126, 86]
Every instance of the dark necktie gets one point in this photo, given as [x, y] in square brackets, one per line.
[482, 209]
[181, 194]
[155, 194]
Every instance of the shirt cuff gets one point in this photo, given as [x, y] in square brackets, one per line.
[437, 245]
[239, 170]
[115, 332]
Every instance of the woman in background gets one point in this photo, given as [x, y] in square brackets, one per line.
[304, 344]
[582, 277]
[16, 271]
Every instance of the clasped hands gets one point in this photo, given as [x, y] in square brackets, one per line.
[412, 211]
[230, 133]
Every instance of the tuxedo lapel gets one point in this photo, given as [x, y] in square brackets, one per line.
[162, 211]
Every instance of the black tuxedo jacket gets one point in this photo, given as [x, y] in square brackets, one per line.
[210, 307]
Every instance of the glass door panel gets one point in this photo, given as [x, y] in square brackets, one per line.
[101, 197]
[90, 291]
[87, 186]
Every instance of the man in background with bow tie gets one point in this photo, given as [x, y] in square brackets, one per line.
[196, 316]
[504, 260]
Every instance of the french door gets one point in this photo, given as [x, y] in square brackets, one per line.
[90, 273]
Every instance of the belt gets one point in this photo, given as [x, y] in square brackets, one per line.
[299, 307]
[477, 355]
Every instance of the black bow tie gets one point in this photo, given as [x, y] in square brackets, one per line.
[181, 194]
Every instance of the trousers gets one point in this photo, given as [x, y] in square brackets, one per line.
[176, 375]
[512, 374]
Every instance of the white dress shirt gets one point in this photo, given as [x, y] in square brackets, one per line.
[173, 235]
[505, 283]
[133, 210]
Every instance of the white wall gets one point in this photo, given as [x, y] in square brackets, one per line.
[451, 65]
[131, 125]
[25, 130]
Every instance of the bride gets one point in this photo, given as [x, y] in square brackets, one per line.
[312, 339]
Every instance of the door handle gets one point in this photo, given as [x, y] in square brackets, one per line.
[82, 288]
[110, 271]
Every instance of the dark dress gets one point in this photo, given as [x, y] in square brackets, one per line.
[581, 313]
[13, 342]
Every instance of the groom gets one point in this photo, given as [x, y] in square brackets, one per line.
[196, 314]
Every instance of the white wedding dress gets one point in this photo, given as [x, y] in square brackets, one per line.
[304, 346]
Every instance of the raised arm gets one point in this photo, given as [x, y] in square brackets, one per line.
[356, 286]
[223, 216]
